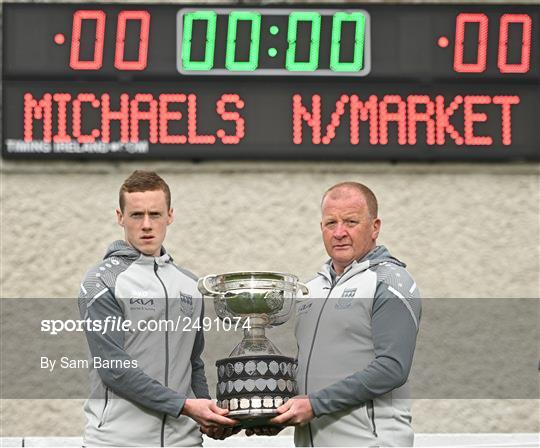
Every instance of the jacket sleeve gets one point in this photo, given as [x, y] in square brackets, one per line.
[395, 318]
[96, 303]
[198, 377]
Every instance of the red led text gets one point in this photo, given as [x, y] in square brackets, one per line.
[481, 21]
[99, 17]
[437, 117]
[58, 111]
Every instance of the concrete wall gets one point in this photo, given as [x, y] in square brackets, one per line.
[464, 230]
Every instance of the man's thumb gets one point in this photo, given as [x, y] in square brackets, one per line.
[219, 410]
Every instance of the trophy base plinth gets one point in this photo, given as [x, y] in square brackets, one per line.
[253, 387]
[254, 418]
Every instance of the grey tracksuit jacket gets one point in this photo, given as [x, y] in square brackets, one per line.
[141, 406]
[356, 338]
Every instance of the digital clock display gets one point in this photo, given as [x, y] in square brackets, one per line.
[228, 41]
[376, 82]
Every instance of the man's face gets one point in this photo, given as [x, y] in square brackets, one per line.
[145, 219]
[348, 230]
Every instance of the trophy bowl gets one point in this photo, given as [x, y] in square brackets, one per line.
[256, 378]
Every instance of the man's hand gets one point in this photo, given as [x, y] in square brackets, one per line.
[297, 411]
[220, 433]
[264, 430]
[207, 413]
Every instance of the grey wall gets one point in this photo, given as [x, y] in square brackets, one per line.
[464, 230]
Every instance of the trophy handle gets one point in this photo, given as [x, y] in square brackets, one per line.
[302, 287]
[206, 290]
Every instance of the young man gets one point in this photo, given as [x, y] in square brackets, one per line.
[148, 388]
[356, 334]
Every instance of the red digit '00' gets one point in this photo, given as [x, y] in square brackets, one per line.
[502, 61]
[120, 63]
[140, 64]
[481, 57]
[75, 56]
[526, 29]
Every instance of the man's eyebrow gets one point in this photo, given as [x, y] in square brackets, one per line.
[143, 212]
[345, 215]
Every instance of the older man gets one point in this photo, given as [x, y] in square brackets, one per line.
[356, 334]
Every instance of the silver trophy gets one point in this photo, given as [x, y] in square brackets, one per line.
[256, 378]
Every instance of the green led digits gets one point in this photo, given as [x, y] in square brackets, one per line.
[210, 17]
[273, 41]
[230, 59]
[358, 58]
[292, 34]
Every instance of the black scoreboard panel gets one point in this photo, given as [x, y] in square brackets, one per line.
[358, 82]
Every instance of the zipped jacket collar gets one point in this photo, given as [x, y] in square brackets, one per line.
[378, 255]
[122, 249]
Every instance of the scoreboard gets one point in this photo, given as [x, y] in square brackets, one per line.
[342, 82]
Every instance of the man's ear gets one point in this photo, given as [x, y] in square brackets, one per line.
[376, 228]
[120, 217]
[170, 216]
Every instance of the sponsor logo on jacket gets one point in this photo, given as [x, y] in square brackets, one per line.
[142, 304]
[304, 308]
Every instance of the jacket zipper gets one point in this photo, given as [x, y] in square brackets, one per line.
[311, 351]
[371, 415]
[102, 422]
[166, 349]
